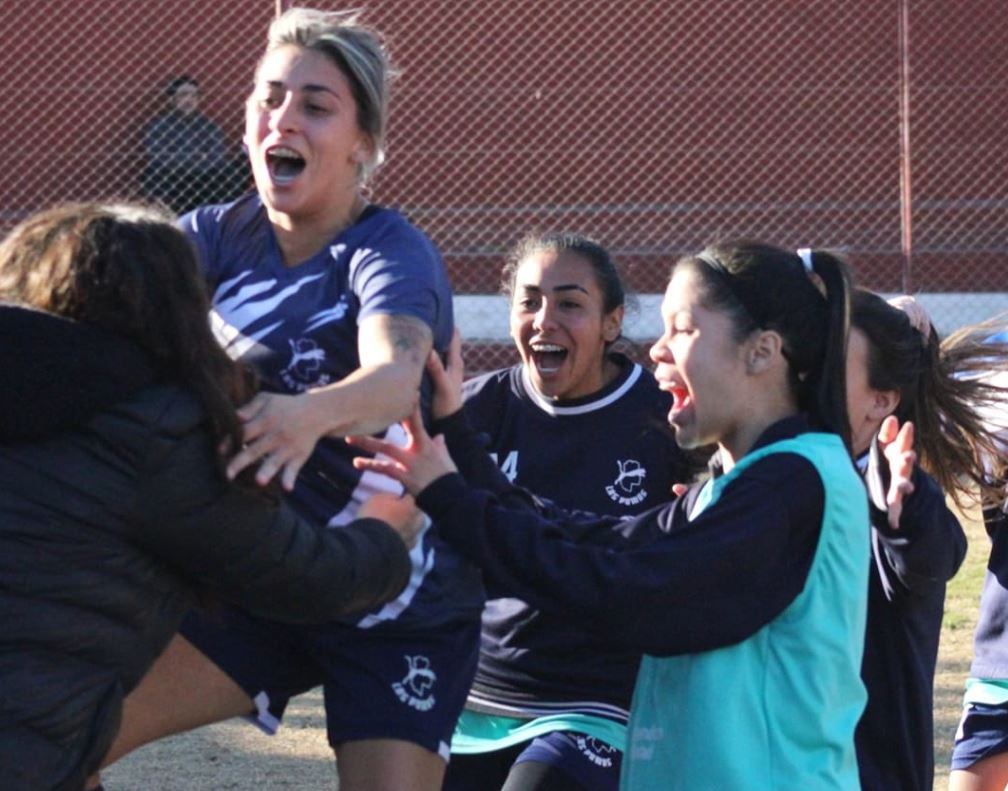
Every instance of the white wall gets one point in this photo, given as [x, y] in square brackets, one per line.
[485, 317]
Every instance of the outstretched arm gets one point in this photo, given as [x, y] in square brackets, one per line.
[281, 430]
[666, 585]
[672, 585]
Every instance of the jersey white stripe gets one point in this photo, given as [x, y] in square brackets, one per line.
[421, 561]
[552, 409]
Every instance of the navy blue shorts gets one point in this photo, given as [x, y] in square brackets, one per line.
[409, 685]
[983, 732]
[571, 760]
[593, 763]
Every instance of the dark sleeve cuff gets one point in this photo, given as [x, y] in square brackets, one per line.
[909, 523]
[442, 494]
[454, 422]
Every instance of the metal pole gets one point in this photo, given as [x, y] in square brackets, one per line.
[906, 202]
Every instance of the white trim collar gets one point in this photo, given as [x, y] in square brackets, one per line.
[550, 408]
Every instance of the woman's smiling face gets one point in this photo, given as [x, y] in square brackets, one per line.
[559, 324]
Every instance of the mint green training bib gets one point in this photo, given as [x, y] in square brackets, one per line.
[778, 710]
[477, 732]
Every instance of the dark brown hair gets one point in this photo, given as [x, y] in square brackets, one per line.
[607, 274]
[943, 389]
[128, 270]
[759, 286]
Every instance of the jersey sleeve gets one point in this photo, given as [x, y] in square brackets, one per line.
[484, 402]
[401, 277]
[670, 585]
[928, 546]
[202, 226]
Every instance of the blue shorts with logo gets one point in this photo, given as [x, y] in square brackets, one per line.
[383, 683]
[585, 762]
[593, 763]
[983, 732]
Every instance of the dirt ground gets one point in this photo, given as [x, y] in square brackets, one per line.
[236, 755]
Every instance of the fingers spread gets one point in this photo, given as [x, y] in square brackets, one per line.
[434, 366]
[389, 467]
[290, 474]
[889, 429]
[375, 446]
[905, 438]
[249, 454]
[248, 411]
[414, 427]
[270, 466]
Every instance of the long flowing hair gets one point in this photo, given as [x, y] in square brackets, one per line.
[945, 388]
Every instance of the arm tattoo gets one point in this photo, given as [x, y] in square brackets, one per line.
[407, 338]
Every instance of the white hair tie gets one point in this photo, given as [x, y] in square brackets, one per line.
[805, 254]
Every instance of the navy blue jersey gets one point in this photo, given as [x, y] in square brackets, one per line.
[609, 453]
[297, 325]
[663, 582]
[906, 599]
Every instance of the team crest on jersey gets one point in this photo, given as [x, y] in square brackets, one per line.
[417, 687]
[628, 488]
[305, 363]
[595, 750]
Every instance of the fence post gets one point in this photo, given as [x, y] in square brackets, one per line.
[906, 199]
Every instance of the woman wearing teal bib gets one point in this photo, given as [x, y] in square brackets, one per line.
[748, 593]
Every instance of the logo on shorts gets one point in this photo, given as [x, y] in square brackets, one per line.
[417, 687]
[628, 488]
[598, 752]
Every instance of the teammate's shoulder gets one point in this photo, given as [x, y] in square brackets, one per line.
[488, 385]
[389, 237]
[635, 384]
[389, 223]
[238, 216]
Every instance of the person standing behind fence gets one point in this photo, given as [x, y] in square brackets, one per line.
[749, 604]
[584, 426]
[338, 303]
[187, 157]
[917, 427]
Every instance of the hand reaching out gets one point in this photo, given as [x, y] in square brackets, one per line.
[896, 443]
[280, 431]
[447, 380]
[416, 466]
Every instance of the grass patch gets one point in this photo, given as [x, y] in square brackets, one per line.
[956, 649]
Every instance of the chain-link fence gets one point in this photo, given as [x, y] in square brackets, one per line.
[876, 127]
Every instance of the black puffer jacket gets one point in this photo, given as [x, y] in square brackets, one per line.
[113, 513]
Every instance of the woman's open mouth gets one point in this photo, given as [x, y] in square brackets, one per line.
[548, 357]
[680, 398]
[284, 164]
